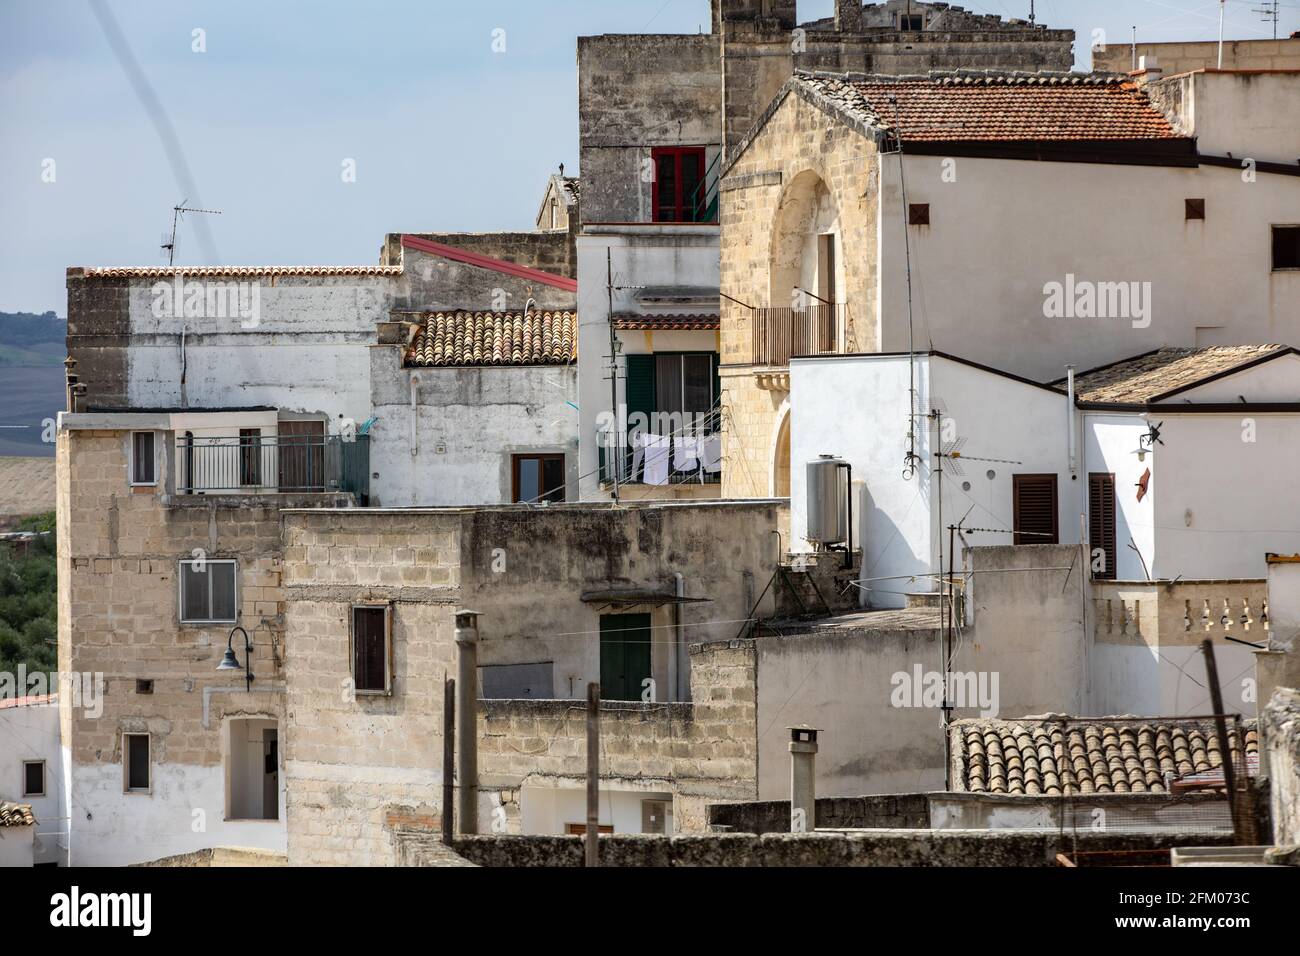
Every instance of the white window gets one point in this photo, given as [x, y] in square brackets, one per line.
[208, 592]
[144, 468]
[136, 771]
[33, 778]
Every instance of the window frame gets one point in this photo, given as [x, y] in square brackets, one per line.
[45, 782]
[680, 205]
[1274, 228]
[517, 459]
[126, 762]
[387, 608]
[135, 480]
[180, 592]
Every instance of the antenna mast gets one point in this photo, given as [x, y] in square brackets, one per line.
[169, 244]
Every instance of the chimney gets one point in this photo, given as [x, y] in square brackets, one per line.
[1148, 69]
[848, 16]
[803, 789]
[467, 718]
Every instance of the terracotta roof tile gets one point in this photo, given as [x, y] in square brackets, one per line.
[972, 105]
[201, 272]
[629, 321]
[16, 815]
[1048, 756]
[1146, 377]
[464, 338]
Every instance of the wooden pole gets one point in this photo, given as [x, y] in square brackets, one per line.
[1221, 729]
[448, 757]
[593, 775]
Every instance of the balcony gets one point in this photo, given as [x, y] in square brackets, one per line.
[257, 464]
[778, 334]
[670, 464]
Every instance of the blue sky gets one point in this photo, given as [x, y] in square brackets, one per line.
[446, 133]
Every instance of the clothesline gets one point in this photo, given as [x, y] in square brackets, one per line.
[658, 456]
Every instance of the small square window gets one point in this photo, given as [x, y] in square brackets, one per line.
[144, 687]
[918, 214]
[135, 763]
[33, 778]
[208, 592]
[1193, 208]
[911, 22]
[1286, 247]
[372, 648]
[143, 465]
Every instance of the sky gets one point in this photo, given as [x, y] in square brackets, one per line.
[452, 114]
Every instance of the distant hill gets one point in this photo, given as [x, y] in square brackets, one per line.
[32, 348]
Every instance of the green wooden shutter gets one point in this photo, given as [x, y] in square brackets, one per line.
[640, 395]
[624, 655]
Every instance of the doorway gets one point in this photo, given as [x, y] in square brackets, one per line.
[253, 770]
[624, 655]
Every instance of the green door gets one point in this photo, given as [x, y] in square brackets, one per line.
[624, 655]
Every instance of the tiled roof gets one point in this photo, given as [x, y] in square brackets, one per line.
[208, 272]
[16, 815]
[495, 338]
[631, 321]
[971, 105]
[1145, 378]
[571, 188]
[1053, 756]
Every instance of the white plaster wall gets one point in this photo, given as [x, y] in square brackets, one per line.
[1110, 442]
[1245, 114]
[16, 847]
[1169, 681]
[1241, 495]
[547, 810]
[470, 422]
[32, 733]
[856, 407]
[115, 828]
[305, 353]
[1284, 600]
[1004, 228]
[643, 255]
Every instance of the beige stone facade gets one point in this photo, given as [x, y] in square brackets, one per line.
[802, 173]
[119, 553]
[1282, 54]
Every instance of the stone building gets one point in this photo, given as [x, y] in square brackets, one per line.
[1186, 57]
[657, 113]
[838, 240]
[565, 595]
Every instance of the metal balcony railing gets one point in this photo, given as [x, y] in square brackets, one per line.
[256, 464]
[659, 463]
[778, 334]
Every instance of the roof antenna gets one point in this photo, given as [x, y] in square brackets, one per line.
[169, 244]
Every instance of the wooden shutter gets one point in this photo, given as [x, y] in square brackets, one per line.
[639, 392]
[1101, 520]
[370, 649]
[624, 655]
[1034, 506]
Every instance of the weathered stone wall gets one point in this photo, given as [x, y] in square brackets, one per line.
[118, 553]
[890, 810]
[1283, 54]
[549, 251]
[856, 848]
[801, 153]
[636, 92]
[1281, 724]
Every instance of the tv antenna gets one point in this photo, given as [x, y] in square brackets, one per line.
[169, 242]
[1268, 11]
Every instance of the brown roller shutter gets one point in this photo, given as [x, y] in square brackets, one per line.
[1034, 508]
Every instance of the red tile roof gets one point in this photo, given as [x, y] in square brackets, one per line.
[200, 272]
[495, 338]
[33, 700]
[967, 106]
[630, 322]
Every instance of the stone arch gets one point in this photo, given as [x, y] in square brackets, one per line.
[806, 210]
[779, 459]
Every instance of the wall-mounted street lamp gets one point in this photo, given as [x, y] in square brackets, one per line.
[229, 662]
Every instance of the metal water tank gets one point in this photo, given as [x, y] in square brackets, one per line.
[828, 491]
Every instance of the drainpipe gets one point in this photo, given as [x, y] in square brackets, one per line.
[415, 415]
[803, 789]
[467, 719]
[1069, 414]
[675, 659]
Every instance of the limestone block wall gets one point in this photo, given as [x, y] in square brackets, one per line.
[118, 554]
[800, 153]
